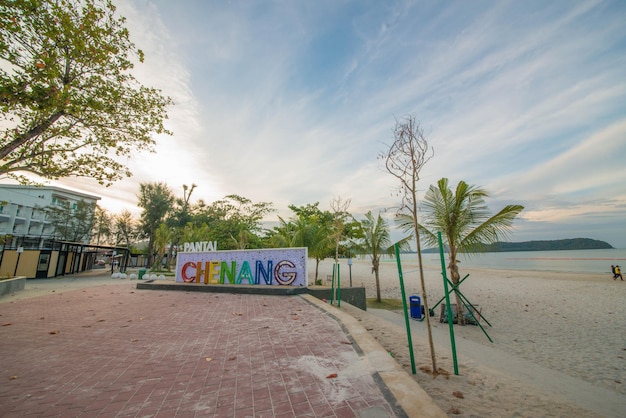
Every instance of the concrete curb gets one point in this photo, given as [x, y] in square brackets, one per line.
[9, 286]
[409, 395]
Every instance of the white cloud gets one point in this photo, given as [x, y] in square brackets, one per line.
[292, 102]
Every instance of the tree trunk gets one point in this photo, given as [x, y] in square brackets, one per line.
[431, 344]
[456, 277]
[26, 136]
[378, 299]
[317, 268]
[150, 252]
[375, 267]
[170, 254]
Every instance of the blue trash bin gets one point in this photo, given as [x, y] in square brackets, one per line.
[415, 305]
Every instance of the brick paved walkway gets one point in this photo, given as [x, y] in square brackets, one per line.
[115, 351]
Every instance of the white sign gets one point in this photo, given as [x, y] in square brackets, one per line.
[280, 266]
[200, 247]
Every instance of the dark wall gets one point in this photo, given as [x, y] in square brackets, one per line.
[353, 295]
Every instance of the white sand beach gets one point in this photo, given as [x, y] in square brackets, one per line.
[559, 340]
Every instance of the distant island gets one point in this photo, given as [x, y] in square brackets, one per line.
[550, 245]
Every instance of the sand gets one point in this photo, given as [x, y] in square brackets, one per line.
[559, 345]
[559, 340]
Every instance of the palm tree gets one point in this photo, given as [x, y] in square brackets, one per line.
[162, 237]
[465, 222]
[376, 242]
[311, 231]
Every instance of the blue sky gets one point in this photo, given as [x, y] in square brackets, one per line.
[291, 101]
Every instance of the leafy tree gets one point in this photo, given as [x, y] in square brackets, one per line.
[234, 221]
[72, 223]
[162, 237]
[156, 200]
[102, 225]
[317, 238]
[70, 105]
[180, 216]
[376, 242]
[309, 227]
[182, 212]
[465, 221]
[124, 228]
[194, 233]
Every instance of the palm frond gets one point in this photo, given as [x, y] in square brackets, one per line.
[493, 229]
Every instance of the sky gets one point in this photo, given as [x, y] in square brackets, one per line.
[291, 102]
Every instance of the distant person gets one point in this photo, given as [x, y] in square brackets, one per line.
[613, 271]
[618, 273]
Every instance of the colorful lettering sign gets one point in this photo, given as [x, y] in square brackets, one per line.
[281, 266]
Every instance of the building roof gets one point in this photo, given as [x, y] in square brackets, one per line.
[60, 190]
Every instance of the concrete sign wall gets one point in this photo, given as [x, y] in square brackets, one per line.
[281, 266]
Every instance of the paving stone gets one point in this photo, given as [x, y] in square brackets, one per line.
[118, 351]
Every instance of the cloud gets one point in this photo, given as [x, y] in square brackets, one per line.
[291, 102]
[583, 169]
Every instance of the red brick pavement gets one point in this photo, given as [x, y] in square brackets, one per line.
[115, 351]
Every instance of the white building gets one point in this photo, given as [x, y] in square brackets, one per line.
[23, 210]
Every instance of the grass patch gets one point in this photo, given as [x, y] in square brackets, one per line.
[166, 273]
[389, 304]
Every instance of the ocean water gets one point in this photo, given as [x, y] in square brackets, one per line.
[577, 261]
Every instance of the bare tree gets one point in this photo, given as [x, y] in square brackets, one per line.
[340, 214]
[404, 159]
[125, 229]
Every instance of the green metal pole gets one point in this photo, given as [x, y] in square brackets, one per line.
[448, 307]
[471, 309]
[332, 286]
[406, 314]
[338, 285]
[452, 289]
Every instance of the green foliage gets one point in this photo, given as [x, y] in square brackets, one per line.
[234, 221]
[182, 211]
[162, 237]
[125, 228]
[70, 105]
[102, 228]
[156, 200]
[195, 233]
[309, 227]
[376, 241]
[462, 216]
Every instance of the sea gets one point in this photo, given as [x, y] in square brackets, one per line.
[576, 261]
